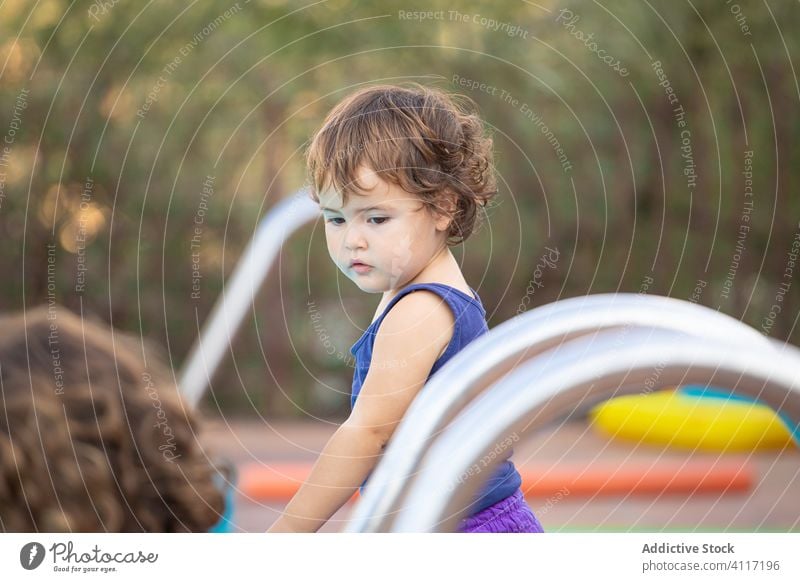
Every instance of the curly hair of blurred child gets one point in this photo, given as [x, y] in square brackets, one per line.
[92, 438]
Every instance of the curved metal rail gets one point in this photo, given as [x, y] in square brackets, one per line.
[498, 352]
[594, 368]
[226, 317]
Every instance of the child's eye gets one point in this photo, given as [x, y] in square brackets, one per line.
[379, 219]
[333, 221]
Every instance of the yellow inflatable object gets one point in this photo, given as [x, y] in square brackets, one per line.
[691, 422]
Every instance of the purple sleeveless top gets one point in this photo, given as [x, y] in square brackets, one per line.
[470, 322]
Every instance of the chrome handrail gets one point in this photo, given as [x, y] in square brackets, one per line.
[593, 368]
[228, 312]
[498, 352]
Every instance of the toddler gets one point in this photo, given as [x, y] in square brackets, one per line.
[400, 174]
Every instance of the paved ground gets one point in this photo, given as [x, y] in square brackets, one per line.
[772, 504]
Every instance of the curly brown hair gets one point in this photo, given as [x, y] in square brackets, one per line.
[428, 142]
[91, 438]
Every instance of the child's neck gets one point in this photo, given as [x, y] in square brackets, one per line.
[443, 268]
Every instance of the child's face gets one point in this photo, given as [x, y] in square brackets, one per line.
[396, 241]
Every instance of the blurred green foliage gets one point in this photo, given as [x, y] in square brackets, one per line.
[115, 114]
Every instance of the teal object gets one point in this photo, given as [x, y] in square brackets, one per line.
[700, 391]
[227, 484]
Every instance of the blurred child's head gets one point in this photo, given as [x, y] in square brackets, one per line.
[91, 438]
[416, 152]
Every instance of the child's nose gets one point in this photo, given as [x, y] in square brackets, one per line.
[354, 238]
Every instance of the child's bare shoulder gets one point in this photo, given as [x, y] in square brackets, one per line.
[408, 342]
[421, 315]
[420, 306]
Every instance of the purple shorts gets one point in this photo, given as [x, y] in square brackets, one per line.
[510, 515]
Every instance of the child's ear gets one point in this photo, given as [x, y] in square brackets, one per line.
[446, 208]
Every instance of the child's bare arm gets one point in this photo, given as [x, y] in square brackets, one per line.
[409, 340]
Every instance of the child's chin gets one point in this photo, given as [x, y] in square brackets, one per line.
[369, 286]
